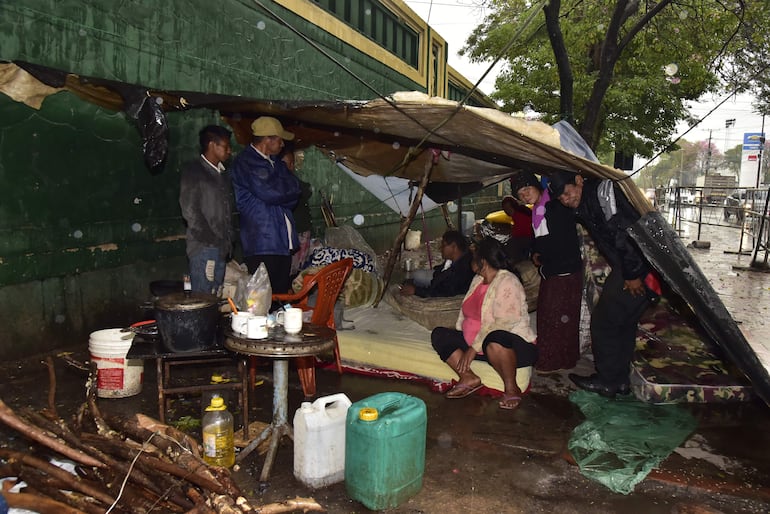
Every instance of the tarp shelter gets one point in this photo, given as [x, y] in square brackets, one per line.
[409, 135]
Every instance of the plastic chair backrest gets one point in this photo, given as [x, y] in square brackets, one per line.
[329, 280]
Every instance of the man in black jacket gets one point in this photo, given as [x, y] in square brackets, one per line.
[206, 198]
[450, 278]
[606, 213]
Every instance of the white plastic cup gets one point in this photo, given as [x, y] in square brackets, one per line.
[256, 327]
[291, 319]
[238, 321]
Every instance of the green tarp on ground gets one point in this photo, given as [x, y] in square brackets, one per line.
[621, 440]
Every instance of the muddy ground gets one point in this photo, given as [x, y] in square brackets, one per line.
[479, 458]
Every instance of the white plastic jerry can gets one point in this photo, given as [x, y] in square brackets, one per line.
[319, 441]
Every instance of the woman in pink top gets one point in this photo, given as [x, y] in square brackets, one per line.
[493, 326]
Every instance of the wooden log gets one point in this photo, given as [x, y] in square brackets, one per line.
[122, 468]
[91, 389]
[224, 504]
[201, 506]
[168, 439]
[136, 497]
[10, 418]
[152, 462]
[303, 504]
[67, 357]
[224, 477]
[10, 470]
[51, 387]
[39, 504]
[141, 426]
[38, 483]
[73, 482]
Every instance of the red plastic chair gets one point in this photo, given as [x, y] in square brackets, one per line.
[328, 281]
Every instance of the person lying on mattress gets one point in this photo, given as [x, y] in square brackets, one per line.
[450, 278]
[493, 326]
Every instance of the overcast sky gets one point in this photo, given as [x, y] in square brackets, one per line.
[455, 19]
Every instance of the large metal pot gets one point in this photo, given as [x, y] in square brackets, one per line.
[187, 321]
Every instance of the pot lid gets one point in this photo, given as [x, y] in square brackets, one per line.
[185, 301]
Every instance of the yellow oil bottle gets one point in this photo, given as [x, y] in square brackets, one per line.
[218, 445]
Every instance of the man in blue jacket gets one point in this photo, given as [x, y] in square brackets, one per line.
[265, 193]
[629, 288]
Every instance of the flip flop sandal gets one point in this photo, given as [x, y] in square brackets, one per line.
[461, 391]
[505, 405]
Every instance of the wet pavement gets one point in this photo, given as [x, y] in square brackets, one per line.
[742, 284]
[480, 458]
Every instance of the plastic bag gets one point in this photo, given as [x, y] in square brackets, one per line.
[259, 292]
[622, 440]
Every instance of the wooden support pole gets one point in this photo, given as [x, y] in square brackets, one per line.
[405, 224]
[447, 218]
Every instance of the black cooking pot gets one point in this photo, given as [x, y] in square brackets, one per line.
[187, 321]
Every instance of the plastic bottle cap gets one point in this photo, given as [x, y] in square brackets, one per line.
[368, 414]
[217, 403]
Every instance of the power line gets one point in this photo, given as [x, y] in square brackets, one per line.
[732, 94]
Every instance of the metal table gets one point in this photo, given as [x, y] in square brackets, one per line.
[279, 346]
[144, 348]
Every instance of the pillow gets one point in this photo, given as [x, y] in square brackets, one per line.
[327, 255]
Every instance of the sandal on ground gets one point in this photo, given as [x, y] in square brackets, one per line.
[461, 391]
[510, 401]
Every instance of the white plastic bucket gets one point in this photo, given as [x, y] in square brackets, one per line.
[319, 441]
[117, 377]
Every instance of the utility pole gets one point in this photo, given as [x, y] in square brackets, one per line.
[761, 147]
[708, 159]
[754, 262]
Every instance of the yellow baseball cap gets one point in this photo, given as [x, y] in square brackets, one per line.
[268, 126]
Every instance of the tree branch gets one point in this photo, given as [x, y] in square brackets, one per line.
[8, 417]
[566, 80]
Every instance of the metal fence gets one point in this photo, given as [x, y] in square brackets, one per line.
[745, 210]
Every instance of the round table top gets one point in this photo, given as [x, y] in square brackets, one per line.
[312, 340]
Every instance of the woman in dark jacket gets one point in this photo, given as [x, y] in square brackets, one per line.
[556, 253]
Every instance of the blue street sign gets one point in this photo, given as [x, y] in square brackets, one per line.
[752, 140]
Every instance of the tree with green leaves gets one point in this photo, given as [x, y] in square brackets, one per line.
[732, 159]
[683, 166]
[621, 71]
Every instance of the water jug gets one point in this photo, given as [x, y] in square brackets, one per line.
[218, 444]
[319, 441]
[385, 449]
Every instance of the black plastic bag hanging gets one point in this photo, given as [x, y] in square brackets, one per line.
[153, 127]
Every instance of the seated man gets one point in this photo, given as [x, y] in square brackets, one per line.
[451, 278]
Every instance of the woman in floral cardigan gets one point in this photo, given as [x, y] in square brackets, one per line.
[493, 325]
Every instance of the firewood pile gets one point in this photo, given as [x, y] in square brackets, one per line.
[121, 465]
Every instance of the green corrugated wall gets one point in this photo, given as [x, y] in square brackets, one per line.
[84, 226]
[228, 47]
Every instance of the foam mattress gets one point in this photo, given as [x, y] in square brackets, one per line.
[384, 339]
